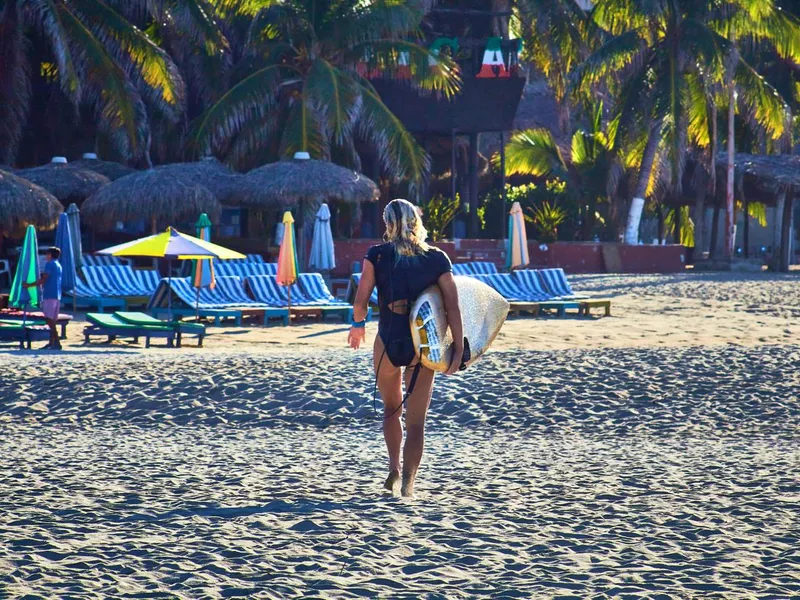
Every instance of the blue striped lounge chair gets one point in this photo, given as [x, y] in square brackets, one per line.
[483, 268]
[104, 260]
[122, 280]
[506, 286]
[555, 282]
[186, 301]
[86, 296]
[249, 258]
[463, 269]
[232, 288]
[265, 288]
[352, 287]
[315, 288]
[244, 269]
[529, 282]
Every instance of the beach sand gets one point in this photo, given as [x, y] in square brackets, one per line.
[650, 454]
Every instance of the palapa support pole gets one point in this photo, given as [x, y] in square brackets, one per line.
[503, 232]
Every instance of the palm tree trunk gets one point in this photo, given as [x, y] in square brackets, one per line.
[729, 207]
[712, 248]
[637, 204]
[660, 218]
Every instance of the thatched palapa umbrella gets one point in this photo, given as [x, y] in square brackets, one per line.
[307, 184]
[64, 181]
[110, 169]
[23, 203]
[227, 186]
[157, 195]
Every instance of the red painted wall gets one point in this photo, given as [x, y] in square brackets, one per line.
[573, 257]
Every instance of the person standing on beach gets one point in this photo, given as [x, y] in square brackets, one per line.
[51, 295]
[402, 269]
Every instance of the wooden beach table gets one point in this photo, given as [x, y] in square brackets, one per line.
[17, 316]
[586, 307]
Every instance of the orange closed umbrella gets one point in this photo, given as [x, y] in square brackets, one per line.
[287, 257]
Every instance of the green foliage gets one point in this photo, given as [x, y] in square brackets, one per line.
[546, 218]
[438, 213]
[687, 225]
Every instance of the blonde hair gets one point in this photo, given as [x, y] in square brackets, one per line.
[406, 233]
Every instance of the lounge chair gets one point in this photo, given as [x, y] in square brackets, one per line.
[181, 329]
[86, 296]
[113, 327]
[555, 282]
[185, 304]
[23, 334]
[531, 285]
[315, 288]
[463, 269]
[505, 285]
[265, 288]
[352, 287]
[17, 316]
[104, 260]
[250, 258]
[233, 290]
[244, 269]
[483, 268]
[122, 280]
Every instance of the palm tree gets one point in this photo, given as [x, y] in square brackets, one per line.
[585, 166]
[664, 60]
[305, 85]
[96, 57]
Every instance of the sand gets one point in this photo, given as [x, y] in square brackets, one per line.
[651, 454]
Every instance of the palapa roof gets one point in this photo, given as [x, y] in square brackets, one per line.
[227, 186]
[66, 182]
[291, 182]
[768, 173]
[160, 193]
[23, 203]
[112, 170]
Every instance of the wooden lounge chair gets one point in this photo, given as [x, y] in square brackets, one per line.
[232, 289]
[184, 303]
[181, 329]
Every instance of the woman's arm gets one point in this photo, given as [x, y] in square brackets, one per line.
[361, 304]
[450, 297]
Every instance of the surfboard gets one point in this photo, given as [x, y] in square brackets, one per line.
[483, 312]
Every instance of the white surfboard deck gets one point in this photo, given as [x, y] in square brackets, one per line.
[483, 312]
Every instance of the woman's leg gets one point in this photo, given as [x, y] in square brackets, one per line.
[416, 412]
[390, 386]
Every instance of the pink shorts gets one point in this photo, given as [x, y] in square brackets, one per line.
[50, 308]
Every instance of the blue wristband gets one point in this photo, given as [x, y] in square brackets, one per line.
[359, 324]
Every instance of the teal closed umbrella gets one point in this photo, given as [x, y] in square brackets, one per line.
[27, 272]
[203, 268]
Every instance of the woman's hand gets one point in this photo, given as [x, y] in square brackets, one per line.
[455, 363]
[356, 336]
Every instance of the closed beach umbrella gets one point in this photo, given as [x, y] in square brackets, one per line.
[517, 246]
[322, 253]
[67, 258]
[287, 257]
[203, 268]
[27, 272]
[172, 245]
[74, 216]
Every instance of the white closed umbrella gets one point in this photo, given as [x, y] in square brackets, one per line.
[322, 253]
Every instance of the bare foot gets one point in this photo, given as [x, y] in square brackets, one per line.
[407, 489]
[392, 479]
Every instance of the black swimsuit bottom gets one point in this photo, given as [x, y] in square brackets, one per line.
[395, 333]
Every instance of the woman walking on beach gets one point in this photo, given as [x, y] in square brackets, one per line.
[403, 268]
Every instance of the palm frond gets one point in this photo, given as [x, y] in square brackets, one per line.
[535, 152]
[304, 130]
[248, 99]
[48, 18]
[107, 86]
[335, 95]
[150, 62]
[353, 24]
[427, 71]
[762, 102]
[398, 152]
[15, 85]
[620, 52]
